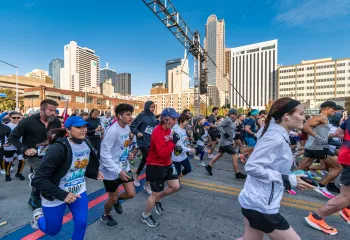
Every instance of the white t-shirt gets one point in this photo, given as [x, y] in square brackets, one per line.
[11, 147]
[183, 142]
[74, 180]
[115, 151]
[105, 121]
[331, 131]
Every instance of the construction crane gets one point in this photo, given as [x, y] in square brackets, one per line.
[171, 18]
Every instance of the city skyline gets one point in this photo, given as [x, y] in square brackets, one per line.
[306, 36]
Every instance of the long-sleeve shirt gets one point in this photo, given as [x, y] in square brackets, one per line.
[115, 152]
[183, 143]
[227, 126]
[161, 147]
[33, 132]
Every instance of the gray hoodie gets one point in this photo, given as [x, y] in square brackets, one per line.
[227, 126]
[272, 157]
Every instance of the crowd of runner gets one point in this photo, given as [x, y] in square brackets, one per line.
[281, 150]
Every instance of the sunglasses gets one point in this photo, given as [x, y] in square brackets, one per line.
[15, 117]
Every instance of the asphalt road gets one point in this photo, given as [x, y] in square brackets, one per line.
[205, 207]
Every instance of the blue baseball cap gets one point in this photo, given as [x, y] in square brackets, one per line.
[170, 112]
[75, 121]
[254, 112]
[206, 124]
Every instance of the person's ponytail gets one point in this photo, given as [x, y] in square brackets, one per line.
[267, 123]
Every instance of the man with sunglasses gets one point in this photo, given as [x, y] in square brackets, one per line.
[29, 133]
[11, 152]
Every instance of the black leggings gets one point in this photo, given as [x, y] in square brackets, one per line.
[96, 143]
[144, 150]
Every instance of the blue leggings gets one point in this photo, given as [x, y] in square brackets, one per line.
[51, 222]
[200, 150]
[186, 164]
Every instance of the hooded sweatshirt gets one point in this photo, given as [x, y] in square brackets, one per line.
[144, 123]
[272, 157]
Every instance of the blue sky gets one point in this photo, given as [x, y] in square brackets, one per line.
[128, 36]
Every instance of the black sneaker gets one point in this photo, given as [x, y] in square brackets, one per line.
[118, 207]
[159, 209]
[108, 221]
[333, 188]
[240, 176]
[20, 176]
[8, 178]
[208, 168]
[149, 221]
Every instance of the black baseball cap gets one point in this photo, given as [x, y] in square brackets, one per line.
[329, 104]
[338, 107]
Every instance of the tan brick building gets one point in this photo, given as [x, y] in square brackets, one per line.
[76, 100]
[9, 82]
[158, 90]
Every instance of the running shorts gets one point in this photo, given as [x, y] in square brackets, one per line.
[345, 175]
[10, 155]
[227, 149]
[238, 136]
[112, 185]
[214, 135]
[317, 154]
[266, 223]
[157, 175]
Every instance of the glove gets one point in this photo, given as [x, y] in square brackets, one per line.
[321, 140]
[176, 138]
[226, 135]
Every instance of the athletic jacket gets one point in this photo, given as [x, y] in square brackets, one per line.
[54, 167]
[4, 132]
[272, 157]
[144, 123]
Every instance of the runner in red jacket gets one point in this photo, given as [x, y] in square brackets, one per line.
[159, 165]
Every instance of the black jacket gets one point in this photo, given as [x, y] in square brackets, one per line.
[33, 132]
[4, 132]
[141, 122]
[54, 167]
[91, 129]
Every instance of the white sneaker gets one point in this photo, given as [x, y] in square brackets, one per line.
[147, 188]
[3, 172]
[202, 164]
[36, 215]
[324, 192]
[136, 182]
[197, 158]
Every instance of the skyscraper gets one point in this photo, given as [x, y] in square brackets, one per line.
[214, 44]
[107, 73]
[123, 83]
[55, 71]
[82, 68]
[177, 75]
[253, 74]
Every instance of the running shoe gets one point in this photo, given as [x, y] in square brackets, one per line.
[30, 177]
[149, 221]
[291, 192]
[197, 158]
[147, 187]
[208, 168]
[159, 209]
[240, 175]
[242, 158]
[108, 221]
[8, 178]
[3, 172]
[34, 204]
[333, 188]
[210, 155]
[202, 164]
[136, 182]
[118, 207]
[36, 215]
[345, 214]
[20, 176]
[315, 176]
[324, 192]
[320, 225]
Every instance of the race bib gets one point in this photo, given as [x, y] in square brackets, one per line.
[74, 186]
[149, 130]
[124, 165]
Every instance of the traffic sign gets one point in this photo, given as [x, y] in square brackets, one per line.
[3, 95]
